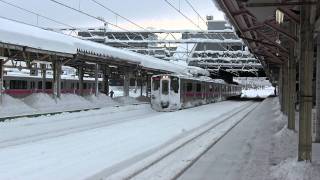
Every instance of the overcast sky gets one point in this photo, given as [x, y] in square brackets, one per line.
[147, 13]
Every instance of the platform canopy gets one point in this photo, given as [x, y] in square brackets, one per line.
[264, 25]
[31, 38]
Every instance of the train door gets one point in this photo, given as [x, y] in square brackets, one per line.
[165, 92]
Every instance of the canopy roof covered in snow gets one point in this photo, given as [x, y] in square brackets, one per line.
[15, 33]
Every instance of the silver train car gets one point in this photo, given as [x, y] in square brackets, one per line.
[174, 92]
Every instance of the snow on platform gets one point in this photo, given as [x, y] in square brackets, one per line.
[81, 145]
[260, 147]
[39, 103]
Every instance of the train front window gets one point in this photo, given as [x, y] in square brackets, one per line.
[156, 83]
[165, 87]
[175, 84]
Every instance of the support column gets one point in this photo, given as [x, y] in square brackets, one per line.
[56, 66]
[285, 88]
[44, 76]
[305, 82]
[96, 80]
[317, 138]
[280, 87]
[141, 86]
[80, 74]
[1, 80]
[147, 85]
[105, 81]
[126, 83]
[292, 83]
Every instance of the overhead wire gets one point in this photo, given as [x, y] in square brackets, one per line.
[37, 14]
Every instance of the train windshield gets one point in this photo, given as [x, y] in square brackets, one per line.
[156, 83]
[165, 87]
[175, 84]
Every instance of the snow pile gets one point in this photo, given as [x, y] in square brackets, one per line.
[41, 101]
[257, 93]
[73, 101]
[126, 100]
[291, 169]
[11, 106]
[101, 100]
[45, 103]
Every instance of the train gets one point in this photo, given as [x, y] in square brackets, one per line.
[174, 92]
[21, 85]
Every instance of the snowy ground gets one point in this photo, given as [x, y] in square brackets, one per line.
[261, 147]
[95, 143]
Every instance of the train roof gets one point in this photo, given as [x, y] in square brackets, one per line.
[200, 78]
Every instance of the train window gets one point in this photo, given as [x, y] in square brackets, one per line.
[175, 84]
[156, 83]
[40, 85]
[72, 85]
[210, 88]
[16, 84]
[61, 85]
[189, 87]
[32, 85]
[165, 87]
[198, 87]
[48, 85]
[84, 85]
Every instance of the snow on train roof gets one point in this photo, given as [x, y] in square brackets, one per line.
[200, 78]
[12, 32]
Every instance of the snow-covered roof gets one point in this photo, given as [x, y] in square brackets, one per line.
[16, 33]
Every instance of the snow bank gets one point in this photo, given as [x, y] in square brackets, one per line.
[101, 100]
[11, 106]
[291, 169]
[126, 100]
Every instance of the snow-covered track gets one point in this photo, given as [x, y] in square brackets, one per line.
[141, 171]
[55, 113]
[76, 128]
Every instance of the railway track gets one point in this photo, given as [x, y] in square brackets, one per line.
[139, 171]
[2, 119]
[70, 130]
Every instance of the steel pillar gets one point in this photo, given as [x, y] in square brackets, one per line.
[285, 88]
[317, 128]
[292, 84]
[80, 74]
[280, 86]
[148, 82]
[305, 84]
[96, 80]
[57, 68]
[141, 86]
[44, 76]
[105, 81]
[126, 83]
[1, 80]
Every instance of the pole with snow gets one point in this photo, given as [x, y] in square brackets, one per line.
[96, 80]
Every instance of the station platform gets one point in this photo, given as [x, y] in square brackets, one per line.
[251, 150]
